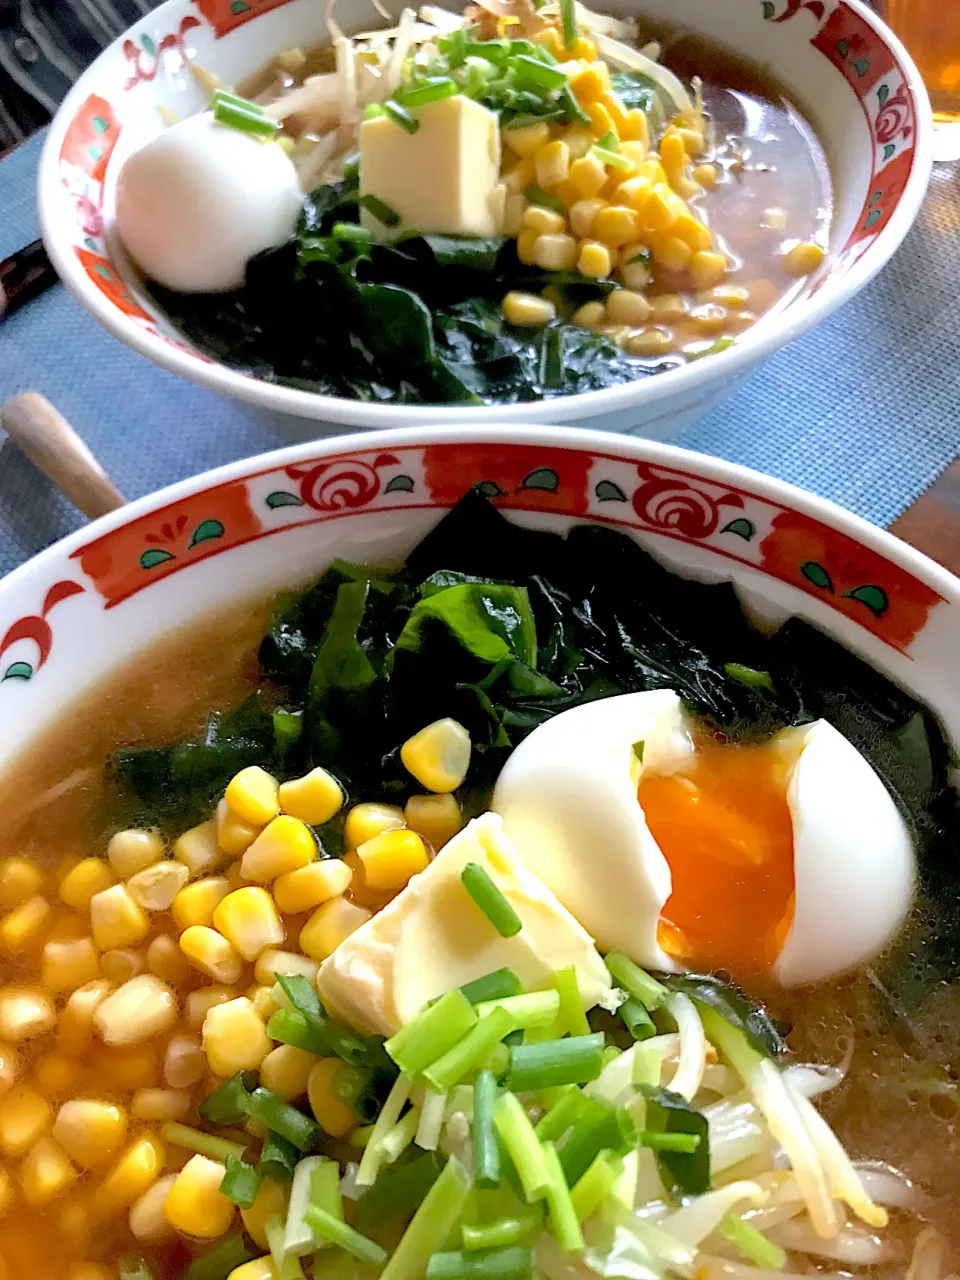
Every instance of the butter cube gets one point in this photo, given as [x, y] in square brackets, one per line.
[433, 937]
[444, 178]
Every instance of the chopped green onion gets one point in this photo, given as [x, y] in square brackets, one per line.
[497, 985]
[609, 141]
[351, 231]
[241, 1182]
[298, 1239]
[486, 1153]
[217, 1264]
[636, 1019]
[244, 120]
[503, 1232]
[335, 1231]
[432, 1033]
[752, 1243]
[325, 1188]
[373, 110]
[490, 900]
[349, 1084]
[568, 19]
[573, 109]
[472, 1049]
[431, 89]
[388, 1117]
[564, 1113]
[285, 1266]
[686, 1143]
[438, 1214]
[399, 115]
[133, 1269]
[635, 981]
[514, 1127]
[532, 71]
[499, 1264]
[398, 1191]
[592, 1188]
[540, 1066]
[400, 1136]
[290, 1027]
[748, 676]
[234, 100]
[380, 210]
[537, 195]
[573, 1018]
[600, 1126]
[287, 727]
[533, 1009]
[277, 1114]
[278, 1158]
[228, 1102]
[563, 1217]
[339, 1041]
[204, 1144]
[523, 120]
[611, 158]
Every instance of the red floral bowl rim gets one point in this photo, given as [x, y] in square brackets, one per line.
[687, 383]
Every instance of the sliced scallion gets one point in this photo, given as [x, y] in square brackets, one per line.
[335, 1231]
[537, 195]
[638, 746]
[497, 985]
[748, 676]
[220, 1261]
[611, 158]
[298, 1239]
[501, 1233]
[486, 1152]
[398, 1191]
[751, 1243]
[564, 1113]
[532, 1009]
[568, 20]
[563, 1216]
[244, 120]
[490, 900]
[471, 1050]
[277, 1114]
[432, 1033]
[240, 1182]
[291, 1027]
[401, 116]
[522, 121]
[590, 1191]
[685, 1143]
[438, 1214]
[278, 1158]
[514, 1127]
[573, 1018]
[431, 89]
[351, 231]
[374, 109]
[228, 1102]
[575, 1060]
[636, 1019]
[532, 71]
[380, 210]
[635, 981]
[204, 1144]
[515, 1263]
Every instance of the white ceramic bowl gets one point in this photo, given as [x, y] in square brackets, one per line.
[74, 612]
[850, 75]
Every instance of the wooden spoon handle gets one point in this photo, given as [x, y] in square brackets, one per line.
[52, 445]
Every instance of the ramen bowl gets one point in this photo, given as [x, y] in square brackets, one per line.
[848, 75]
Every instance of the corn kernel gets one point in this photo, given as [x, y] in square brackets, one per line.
[733, 296]
[615, 225]
[707, 269]
[707, 175]
[55, 1075]
[544, 221]
[248, 919]
[195, 1205]
[626, 307]
[583, 213]
[45, 1173]
[211, 953]
[554, 253]
[583, 49]
[364, 821]
[25, 1013]
[651, 342]
[594, 260]
[154, 888]
[439, 755]
[589, 315]
[803, 259]
[579, 140]
[635, 271]
[136, 1170]
[668, 306]
[588, 85]
[271, 1202]
[234, 1037]
[128, 1067]
[263, 1001]
[518, 176]
[528, 140]
[116, 920]
[676, 165]
[20, 879]
[234, 877]
[90, 1131]
[601, 122]
[435, 817]
[199, 1003]
[146, 1219]
[635, 132]
[669, 251]
[314, 798]
[184, 1063]
[332, 1114]
[65, 966]
[23, 925]
[234, 836]
[270, 963]
[308, 887]
[142, 1008]
[284, 845]
[552, 163]
[661, 208]
[286, 1070]
[526, 246]
[24, 1118]
[196, 903]
[329, 925]
[689, 228]
[514, 208]
[588, 175]
[634, 193]
[709, 318]
[160, 1105]
[9, 1067]
[253, 795]
[122, 964]
[68, 926]
[75, 1028]
[256, 1269]
[6, 1194]
[165, 960]
[130, 851]
[198, 848]
[389, 860]
[89, 877]
[76, 1229]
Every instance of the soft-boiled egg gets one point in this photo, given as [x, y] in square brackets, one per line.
[788, 859]
[196, 203]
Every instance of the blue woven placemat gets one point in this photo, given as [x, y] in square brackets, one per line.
[863, 410]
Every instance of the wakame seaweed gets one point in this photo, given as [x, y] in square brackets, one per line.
[413, 322]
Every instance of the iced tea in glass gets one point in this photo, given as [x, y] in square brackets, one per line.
[931, 31]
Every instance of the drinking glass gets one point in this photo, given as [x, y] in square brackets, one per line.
[931, 31]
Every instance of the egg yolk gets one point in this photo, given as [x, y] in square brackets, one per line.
[725, 831]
